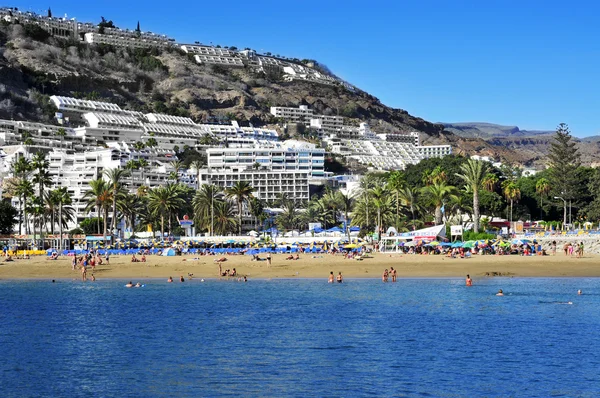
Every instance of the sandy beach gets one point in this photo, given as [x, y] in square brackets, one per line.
[309, 266]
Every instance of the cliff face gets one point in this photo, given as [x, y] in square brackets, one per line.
[35, 67]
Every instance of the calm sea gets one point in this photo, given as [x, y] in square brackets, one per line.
[304, 338]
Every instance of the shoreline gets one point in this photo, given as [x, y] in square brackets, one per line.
[311, 267]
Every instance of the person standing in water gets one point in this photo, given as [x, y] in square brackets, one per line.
[500, 293]
[394, 274]
[330, 280]
[340, 279]
[469, 281]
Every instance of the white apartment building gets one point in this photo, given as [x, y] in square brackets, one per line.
[207, 50]
[219, 60]
[434, 151]
[323, 124]
[233, 133]
[407, 138]
[268, 184]
[69, 104]
[302, 114]
[124, 40]
[289, 155]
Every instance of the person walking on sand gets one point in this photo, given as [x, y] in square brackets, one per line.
[469, 281]
[330, 280]
[269, 259]
[340, 279]
[394, 274]
[554, 248]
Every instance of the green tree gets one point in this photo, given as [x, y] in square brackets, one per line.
[395, 183]
[40, 165]
[564, 160]
[542, 187]
[116, 178]
[511, 193]
[99, 196]
[204, 206]
[165, 200]
[436, 195]
[225, 220]
[8, 217]
[240, 191]
[61, 132]
[473, 173]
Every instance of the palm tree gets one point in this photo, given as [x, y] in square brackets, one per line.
[197, 166]
[542, 187]
[346, 202]
[224, 214]
[163, 201]
[409, 198]
[331, 200]
[288, 219]
[177, 166]
[60, 197]
[96, 198]
[241, 191]
[24, 190]
[21, 169]
[490, 181]
[40, 164]
[473, 173]
[320, 211]
[257, 207]
[115, 178]
[61, 132]
[436, 195]
[395, 183]
[204, 206]
[511, 192]
[381, 201]
[130, 205]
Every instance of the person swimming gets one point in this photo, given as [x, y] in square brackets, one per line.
[579, 292]
[170, 280]
[138, 285]
[469, 281]
[181, 279]
[500, 293]
[130, 284]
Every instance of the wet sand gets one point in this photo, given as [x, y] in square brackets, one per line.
[311, 266]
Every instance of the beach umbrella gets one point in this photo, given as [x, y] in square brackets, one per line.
[520, 241]
[350, 246]
[469, 244]
[434, 243]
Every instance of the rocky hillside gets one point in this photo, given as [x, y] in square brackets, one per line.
[34, 65]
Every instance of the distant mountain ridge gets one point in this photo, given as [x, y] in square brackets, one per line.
[490, 130]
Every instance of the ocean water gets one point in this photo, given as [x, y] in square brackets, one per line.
[304, 338]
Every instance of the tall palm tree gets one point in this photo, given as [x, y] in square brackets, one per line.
[490, 181]
[320, 211]
[511, 192]
[368, 182]
[542, 187]
[257, 207]
[177, 166]
[224, 214]
[409, 198]
[332, 200]
[197, 166]
[204, 206]
[381, 200]
[40, 164]
[96, 198]
[346, 202]
[21, 169]
[436, 195]
[473, 173]
[60, 197]
[61, 132]
[24, 190]
[115, 178]
[163, 201]
[130, 206]
[395, 183]
[241, 191]
[288, 218]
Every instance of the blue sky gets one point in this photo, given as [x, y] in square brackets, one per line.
[533, 64]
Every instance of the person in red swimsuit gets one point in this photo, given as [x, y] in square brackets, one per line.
[469, 281]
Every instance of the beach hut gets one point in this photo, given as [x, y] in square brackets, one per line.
[169, 252]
